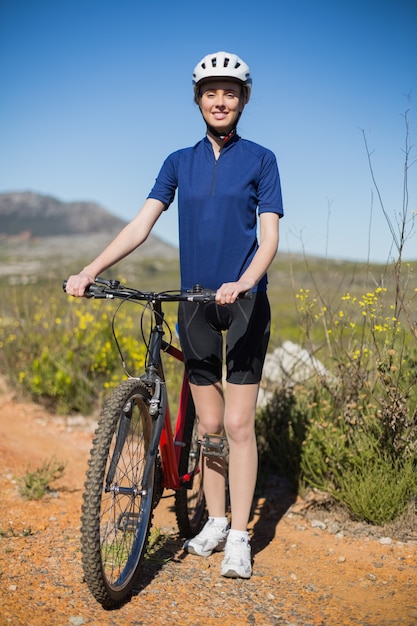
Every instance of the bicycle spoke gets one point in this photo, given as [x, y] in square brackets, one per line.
[190, 504]
[121, 505]
[117, 507]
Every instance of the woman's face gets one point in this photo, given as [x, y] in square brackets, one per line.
[221, 103]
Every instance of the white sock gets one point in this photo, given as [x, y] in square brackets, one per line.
[219, 521]
[238, 534]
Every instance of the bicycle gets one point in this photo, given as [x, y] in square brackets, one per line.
[136, 454]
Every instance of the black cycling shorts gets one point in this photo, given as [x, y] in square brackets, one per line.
[201, 327]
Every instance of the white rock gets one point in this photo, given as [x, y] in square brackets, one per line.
[386, 541]
[316, 523]
[289, 364]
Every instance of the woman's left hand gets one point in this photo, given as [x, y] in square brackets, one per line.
[228, 292]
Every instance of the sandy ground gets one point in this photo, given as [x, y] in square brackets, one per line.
[311, 565]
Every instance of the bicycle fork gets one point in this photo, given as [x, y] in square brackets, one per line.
[157, 406]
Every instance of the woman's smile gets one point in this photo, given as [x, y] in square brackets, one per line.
[221, 103]
[220, 115]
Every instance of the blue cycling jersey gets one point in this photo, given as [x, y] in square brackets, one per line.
[218, 201]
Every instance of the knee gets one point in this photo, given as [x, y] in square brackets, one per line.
[239, 430]
[210, 424]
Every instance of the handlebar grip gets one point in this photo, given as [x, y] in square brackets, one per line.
[89, 291]
[199, 294]
[210, 296]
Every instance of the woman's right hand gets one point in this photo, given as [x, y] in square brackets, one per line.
[78, 283]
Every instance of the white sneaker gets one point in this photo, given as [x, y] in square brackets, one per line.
[211, 539]
[237, 559]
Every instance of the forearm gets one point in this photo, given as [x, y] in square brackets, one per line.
[269, 239]
[132, 236]
[260, 264]
[125, 242]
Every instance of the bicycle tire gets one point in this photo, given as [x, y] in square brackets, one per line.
[190, 503]
[117, 507]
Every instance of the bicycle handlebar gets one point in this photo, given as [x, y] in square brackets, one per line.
[111, 289]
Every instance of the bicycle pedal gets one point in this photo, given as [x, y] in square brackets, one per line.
[214, 445]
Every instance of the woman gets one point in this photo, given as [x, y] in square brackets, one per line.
[223, 183]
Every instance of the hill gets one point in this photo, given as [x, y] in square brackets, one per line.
[36, 215]
[39, 232]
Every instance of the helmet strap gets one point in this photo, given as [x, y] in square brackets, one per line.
[223, 137]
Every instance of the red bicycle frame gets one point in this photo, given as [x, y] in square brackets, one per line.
[170, 447]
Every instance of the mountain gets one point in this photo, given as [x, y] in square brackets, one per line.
[35, 215]
[35, 227]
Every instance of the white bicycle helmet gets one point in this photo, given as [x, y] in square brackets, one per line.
[222, 65]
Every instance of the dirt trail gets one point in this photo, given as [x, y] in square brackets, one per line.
[310, 568]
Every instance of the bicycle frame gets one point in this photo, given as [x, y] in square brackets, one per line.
[162, 436]
[169, 445]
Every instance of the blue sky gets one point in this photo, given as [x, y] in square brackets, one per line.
[96, 93]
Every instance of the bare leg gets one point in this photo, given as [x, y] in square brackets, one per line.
[209, 404]
[239, 424]
[238, 419]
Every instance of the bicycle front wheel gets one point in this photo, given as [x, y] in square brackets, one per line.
[190, 503]
[118, 496]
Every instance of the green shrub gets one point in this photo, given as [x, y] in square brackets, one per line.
[34, 485]
[377, 489]
[61, 351]
[280, 432]
[353, 434]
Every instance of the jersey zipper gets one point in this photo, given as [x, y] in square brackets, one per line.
[214, 179]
